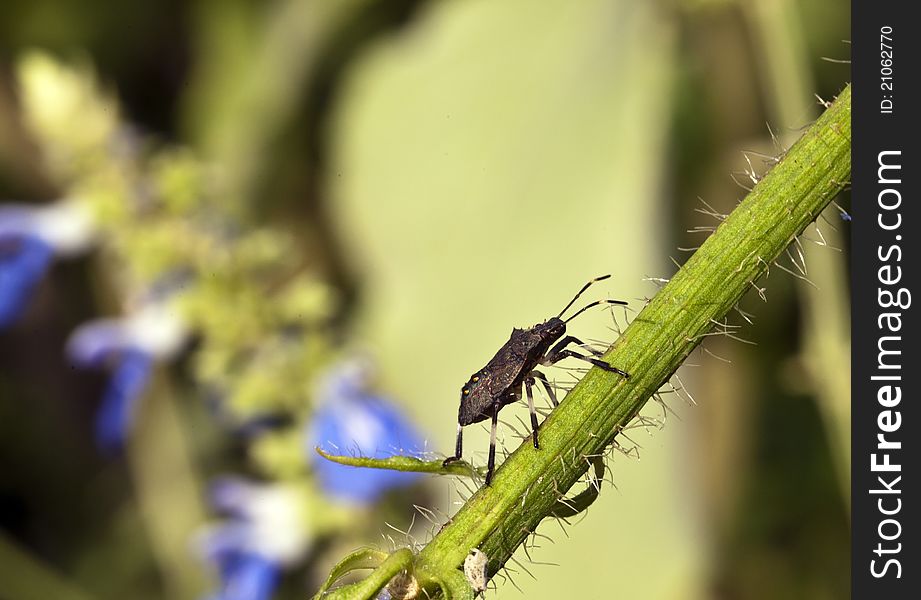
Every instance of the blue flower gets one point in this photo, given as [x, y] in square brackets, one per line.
[29, 239]
[129, 347]
[265, 532]
[119, 402]
[351, 420]
[23, 264]
[246, 576]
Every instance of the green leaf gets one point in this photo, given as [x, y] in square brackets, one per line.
[367, 588]
[570, 507]
[363, 558]
[406, 463]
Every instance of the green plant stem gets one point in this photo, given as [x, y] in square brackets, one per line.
[168, 490]
[530, 484]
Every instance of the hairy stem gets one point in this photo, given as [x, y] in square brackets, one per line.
[531, 483]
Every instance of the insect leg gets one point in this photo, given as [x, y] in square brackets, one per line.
[554, 357]
[550, 390]
[491, 465]
[570, 339]
[528, 384]
[458, 447]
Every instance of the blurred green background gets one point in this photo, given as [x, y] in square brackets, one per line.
[454, 169]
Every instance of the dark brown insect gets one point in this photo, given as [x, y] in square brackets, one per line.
[515, 365]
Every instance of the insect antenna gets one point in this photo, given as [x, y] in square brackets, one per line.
[584, 287]
[593, 304]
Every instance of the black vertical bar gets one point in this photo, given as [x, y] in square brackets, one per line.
[886, 438]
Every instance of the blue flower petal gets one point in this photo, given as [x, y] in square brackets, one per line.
[16, 221]
[232, 495]
[94, 342]
[23, 263]
[248, 567]
[249, 576]
[116, 415]
[365, 426]
[223, 545]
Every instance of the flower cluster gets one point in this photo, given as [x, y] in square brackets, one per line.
[181, 267]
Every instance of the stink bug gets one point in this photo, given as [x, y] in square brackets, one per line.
[515, 365]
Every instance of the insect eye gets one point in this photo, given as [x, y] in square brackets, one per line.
[466, 391]
[476, 378]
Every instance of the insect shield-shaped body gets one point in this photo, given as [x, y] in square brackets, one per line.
[499, 382]
[515, 366]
